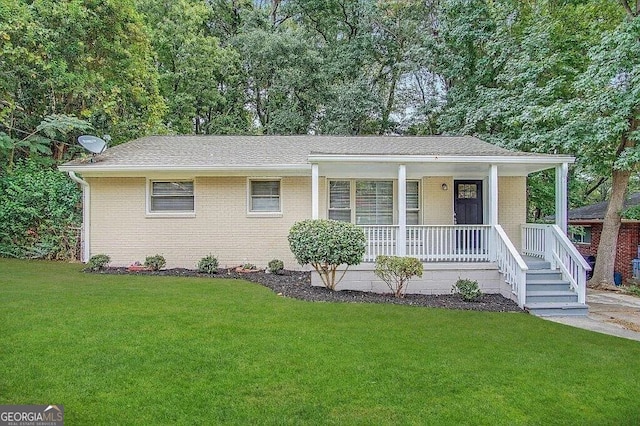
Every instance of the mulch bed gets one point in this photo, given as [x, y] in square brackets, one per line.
[297, 285]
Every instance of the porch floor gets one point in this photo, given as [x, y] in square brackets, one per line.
[535, 263]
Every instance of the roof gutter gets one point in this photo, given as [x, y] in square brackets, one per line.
[494, 159]
[86, 216]
[184, 169]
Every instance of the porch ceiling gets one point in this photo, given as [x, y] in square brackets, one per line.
[417, 170]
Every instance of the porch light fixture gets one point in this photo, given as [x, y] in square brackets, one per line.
[445, 187]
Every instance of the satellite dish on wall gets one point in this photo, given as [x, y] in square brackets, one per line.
[93, 144]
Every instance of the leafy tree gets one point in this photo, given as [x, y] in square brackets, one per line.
[283, 84]
[517, 78]
[88, 59]
[53, 130]
[201, 81]
[608, 125]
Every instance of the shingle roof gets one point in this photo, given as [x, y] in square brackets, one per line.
[597, 211]
[204, 151]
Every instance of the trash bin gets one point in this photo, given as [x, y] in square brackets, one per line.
[617, 279]
[591, 260]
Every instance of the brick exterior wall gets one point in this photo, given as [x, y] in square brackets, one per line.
[512, 206]
[221, 226]
[122, 229]
[628, 240]
[437, 204]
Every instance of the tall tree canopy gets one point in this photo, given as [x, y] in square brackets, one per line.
[508, 71]
[88, 59]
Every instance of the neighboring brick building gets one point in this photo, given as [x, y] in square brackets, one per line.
[586, 226]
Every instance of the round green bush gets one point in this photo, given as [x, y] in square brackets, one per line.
[208, 265]
[276, 266]
[155, 263]
[468, 289]
[327, 244]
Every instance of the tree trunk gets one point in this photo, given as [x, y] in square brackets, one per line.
[606, 256]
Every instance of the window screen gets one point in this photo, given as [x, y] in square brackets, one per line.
[265, 196]
[175, 196]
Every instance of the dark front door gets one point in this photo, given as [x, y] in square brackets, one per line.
[468, 210]
[468, 202]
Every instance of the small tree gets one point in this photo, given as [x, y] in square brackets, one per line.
[327, 244]
[396, 271]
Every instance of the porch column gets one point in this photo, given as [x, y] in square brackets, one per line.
[493, 208]
[314, 192]
[562, 173]
[401, 238]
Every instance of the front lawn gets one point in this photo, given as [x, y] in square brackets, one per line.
[165, 350]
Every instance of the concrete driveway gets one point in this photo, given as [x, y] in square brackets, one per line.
[609, 313]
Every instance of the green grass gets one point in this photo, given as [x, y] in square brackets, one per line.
[163, 350]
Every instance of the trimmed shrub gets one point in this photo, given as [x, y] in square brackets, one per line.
[208, 265]
[396, 271]
[468, 289]
[276, 266]
[98, 262]
[155, 263]
[327, 244]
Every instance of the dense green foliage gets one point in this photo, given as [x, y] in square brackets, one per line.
[39, 213]
[327, 244]
[88, 59]
[507, 71]
[396, 271]
[167, 350]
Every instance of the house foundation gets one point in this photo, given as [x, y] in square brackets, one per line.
[437, 278]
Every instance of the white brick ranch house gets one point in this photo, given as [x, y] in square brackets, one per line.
[456, 203]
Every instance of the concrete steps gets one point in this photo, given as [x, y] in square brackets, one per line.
[549, 295]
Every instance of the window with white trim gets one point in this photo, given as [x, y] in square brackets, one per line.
[413, 202]
[340, 200]
[374, 202]
[264, 196]
[370, 202]
[171, 197]
[580, 234]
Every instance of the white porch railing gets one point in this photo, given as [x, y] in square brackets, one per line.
[449, 243]
[551, 244]
[434, 243]
[381, 240]
[511, 265]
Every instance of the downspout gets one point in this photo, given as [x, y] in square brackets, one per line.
[86, 216]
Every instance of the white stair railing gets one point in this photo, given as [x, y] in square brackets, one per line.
[534, 240]
[566, 257]
[511, 265]
[551, 244]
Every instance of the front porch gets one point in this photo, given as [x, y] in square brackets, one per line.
[547, 276]
[460, 213]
